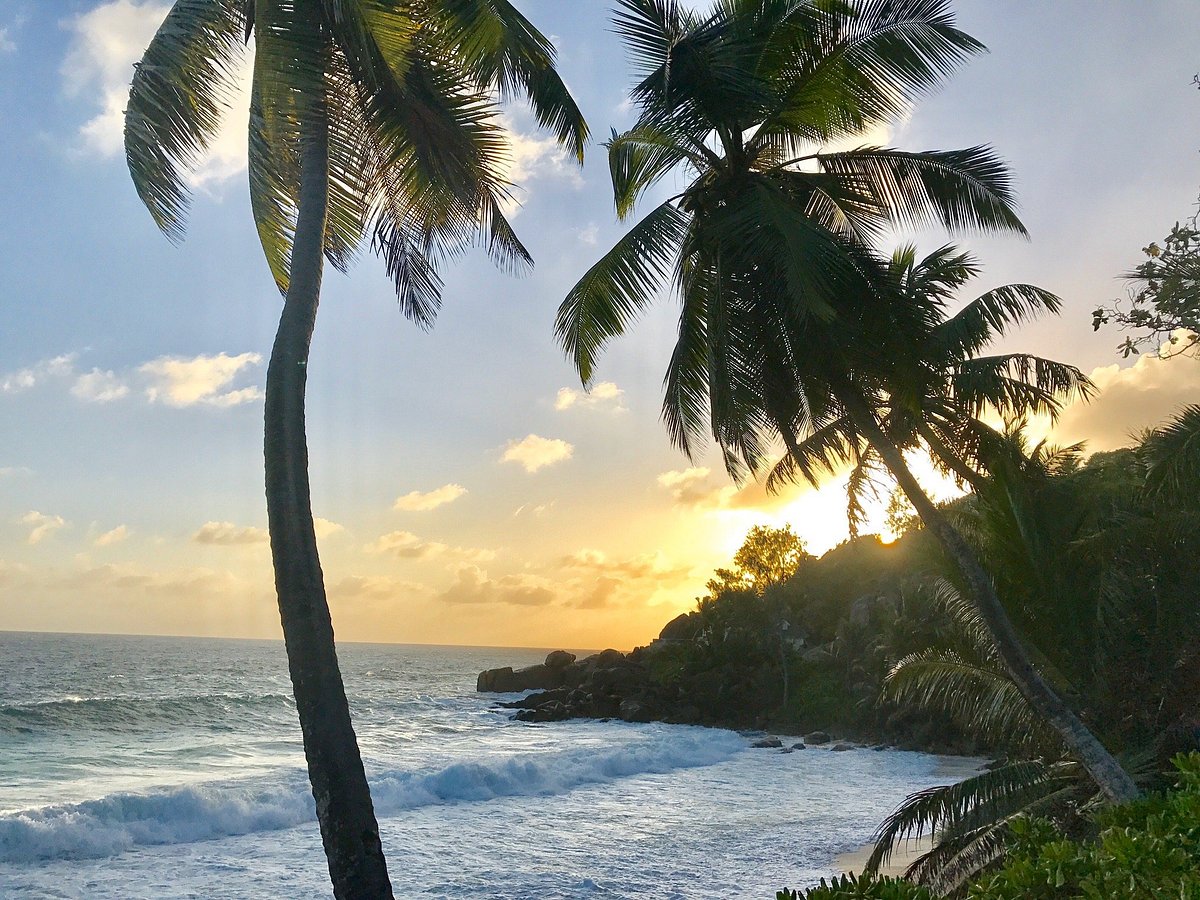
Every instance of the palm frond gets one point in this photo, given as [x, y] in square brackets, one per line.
[989, 316]
[962, 190]
[1173, 456]
[619, 286]
[179, 94]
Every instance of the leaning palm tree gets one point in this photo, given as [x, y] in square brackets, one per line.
[368, 118]
[788, 321]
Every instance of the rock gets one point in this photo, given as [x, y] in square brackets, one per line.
[787, 750]
[634, 711]
[799, 745]
[534, 700]
[606, 659]
[681, 628]
[559, 659]
[768, 743]
[505, 680]
[843, 746]
[817, 737]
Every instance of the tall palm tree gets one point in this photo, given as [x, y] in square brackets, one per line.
[787, 322]
[368, 117]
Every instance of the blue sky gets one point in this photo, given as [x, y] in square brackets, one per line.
[465, 498]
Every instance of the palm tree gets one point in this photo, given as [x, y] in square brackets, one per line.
[787, 322]
[367, 118]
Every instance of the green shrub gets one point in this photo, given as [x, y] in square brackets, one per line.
[1146, 850]
[860, 887]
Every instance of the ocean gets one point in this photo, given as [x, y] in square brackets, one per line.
[145, 767]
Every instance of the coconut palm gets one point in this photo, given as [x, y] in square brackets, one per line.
[368, 118]
[787, 322]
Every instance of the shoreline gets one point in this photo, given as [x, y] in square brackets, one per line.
[852, 861]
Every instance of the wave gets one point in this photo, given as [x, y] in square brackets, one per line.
[134, 713]
[123, 821]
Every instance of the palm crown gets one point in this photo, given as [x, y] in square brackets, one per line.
[415, 149]
[768, 243]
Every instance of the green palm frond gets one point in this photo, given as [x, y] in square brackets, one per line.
[989, 316]
[1018, 384]
[613, 291]
[978, 801]
[637, 159]
[962, 190]
[501, 48]
[976, 697]
[180, 92]
[1173, 456]
[850, 66]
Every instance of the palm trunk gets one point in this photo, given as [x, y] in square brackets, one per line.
[339, 785]
[1080, 742]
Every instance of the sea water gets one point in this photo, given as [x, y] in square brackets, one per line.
[139, 767]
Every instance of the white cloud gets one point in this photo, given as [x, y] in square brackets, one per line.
[106, 43]
[472, 585]
[7, 44]
[533, 452]
[605, 395]
[24, 379]
[589, 234]
[99, 386]
[115, 536]
[694, 487]
[325, 528]
[407, 545]
[226, 534]
[42, 526]
[531, 157]
[380, 587]
[201, 380]
[538, 510]
[415, 501]
[1130, 399]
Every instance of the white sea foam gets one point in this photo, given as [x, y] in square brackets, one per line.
[122, 821]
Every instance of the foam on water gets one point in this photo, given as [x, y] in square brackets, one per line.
[119, 822]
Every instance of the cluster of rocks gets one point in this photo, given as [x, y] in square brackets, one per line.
[609, 684]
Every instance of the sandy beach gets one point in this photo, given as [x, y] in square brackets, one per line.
[952, 768]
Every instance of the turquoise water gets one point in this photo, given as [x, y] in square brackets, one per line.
[168, 768]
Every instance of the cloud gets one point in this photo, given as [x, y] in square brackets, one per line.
[125, 579]
[115, 536]
[106, 43]
[472, 585]
[361, 587]
[325, 528]
[415, 501]
[605, 395]
[42, 526]
[1130, 399]
[226, 534]
[589, 234]
[7, 44]
[15, 471]
[202, 379]
[24, 379]
[599, 581]
[533, 452]
[526, 509]
[694, 487]
[406, 545]
[99, 386]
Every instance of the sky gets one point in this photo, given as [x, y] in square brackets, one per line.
[467, 490]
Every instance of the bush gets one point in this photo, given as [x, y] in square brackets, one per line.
[861, 887]
[1146, 850]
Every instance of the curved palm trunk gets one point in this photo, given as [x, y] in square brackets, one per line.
[1081, 743]
[348, 827]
